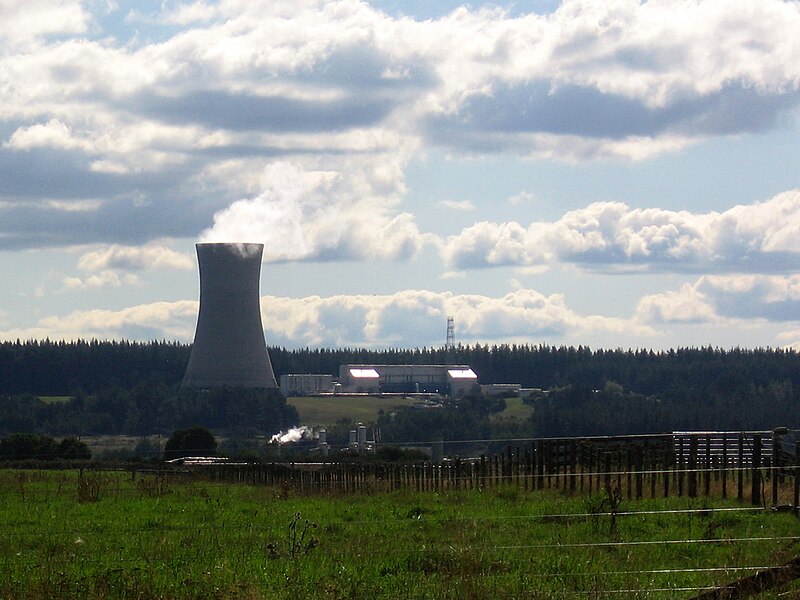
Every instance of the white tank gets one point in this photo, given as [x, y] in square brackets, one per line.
[362, 435]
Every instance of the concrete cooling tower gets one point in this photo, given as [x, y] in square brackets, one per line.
[229, 347]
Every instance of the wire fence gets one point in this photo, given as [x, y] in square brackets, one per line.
[752, 466]
[759, 469]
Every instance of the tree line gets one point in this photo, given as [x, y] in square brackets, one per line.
[132, 387]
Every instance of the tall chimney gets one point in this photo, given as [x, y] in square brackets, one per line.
[229, 347]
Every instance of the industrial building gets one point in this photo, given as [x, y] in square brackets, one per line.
[452, 380]
[301, 384]
[229, 347]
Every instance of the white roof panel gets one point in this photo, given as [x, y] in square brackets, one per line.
[364, 373]
[462, 373]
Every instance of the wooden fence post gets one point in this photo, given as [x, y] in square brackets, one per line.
[724, 466]
[776, 451]
[681, 465]
[755, 490]
[573, 461]
[740, 464]
[707, 474]
[639, 471]
[693, 444]
[796, 472]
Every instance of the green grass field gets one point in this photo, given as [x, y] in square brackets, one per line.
[106, 535]
[320, 411]
[55, 399]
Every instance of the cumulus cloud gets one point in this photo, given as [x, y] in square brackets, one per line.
[418, 318]
[24, 22]
[135, 258]
[606, 235]
[340, 87]
[159, 320]
[715, 298]
[409, 318]
[100, 280]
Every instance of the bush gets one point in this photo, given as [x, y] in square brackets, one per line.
[28, 446]
[195, 441]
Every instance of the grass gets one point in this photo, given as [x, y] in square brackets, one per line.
[515, 409]
[319, 411]
[107, 535]
[55, 399]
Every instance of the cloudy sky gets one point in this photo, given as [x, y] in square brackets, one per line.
[612, 173]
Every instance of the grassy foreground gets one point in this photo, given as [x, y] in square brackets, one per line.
[105, 535]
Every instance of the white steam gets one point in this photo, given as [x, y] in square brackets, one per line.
[295, 434]
[307, 214]
[273, 218]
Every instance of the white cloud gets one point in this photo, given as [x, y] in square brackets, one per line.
[686, 305]
[159, 320]
[725, 299]
[25, 20]
[521, 198]
[409, 318]
[418, 318]
[756, 237]
[190, 13]
[460, 205]
[101, 279]
[135, 258]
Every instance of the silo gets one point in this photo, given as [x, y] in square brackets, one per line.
[229, 347]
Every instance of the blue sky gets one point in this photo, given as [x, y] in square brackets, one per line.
[609, 173]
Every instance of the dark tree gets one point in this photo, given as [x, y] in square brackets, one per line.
[28, 446]
[195, 441]
[71, 448]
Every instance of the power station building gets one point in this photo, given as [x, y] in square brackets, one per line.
[300, 384]
[452, 380]
[229, 347]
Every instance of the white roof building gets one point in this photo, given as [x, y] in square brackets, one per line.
[453, 380]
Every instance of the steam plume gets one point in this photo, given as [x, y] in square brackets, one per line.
[295, 434]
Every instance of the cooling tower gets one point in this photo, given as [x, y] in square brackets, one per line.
[229, 347]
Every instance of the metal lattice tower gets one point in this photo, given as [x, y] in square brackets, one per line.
[450, 340]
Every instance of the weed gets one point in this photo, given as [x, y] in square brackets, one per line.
[89, 487]
[298, 529]
[155, 487]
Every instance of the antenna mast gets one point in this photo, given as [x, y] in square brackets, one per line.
[450, 341]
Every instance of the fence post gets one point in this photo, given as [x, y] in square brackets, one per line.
[573, 462]
[653, 462]
[740, 479]
[681, 463]
[639, 453]
[693, 444]
[755, 491]
[724, 466]
[776, 451]
[629, 469]
[707, 475]
[796, 472]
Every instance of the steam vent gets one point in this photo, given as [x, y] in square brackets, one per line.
[229, 347]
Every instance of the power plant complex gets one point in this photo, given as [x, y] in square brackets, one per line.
[230, 350]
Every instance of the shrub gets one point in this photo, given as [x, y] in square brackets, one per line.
[195, 441]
